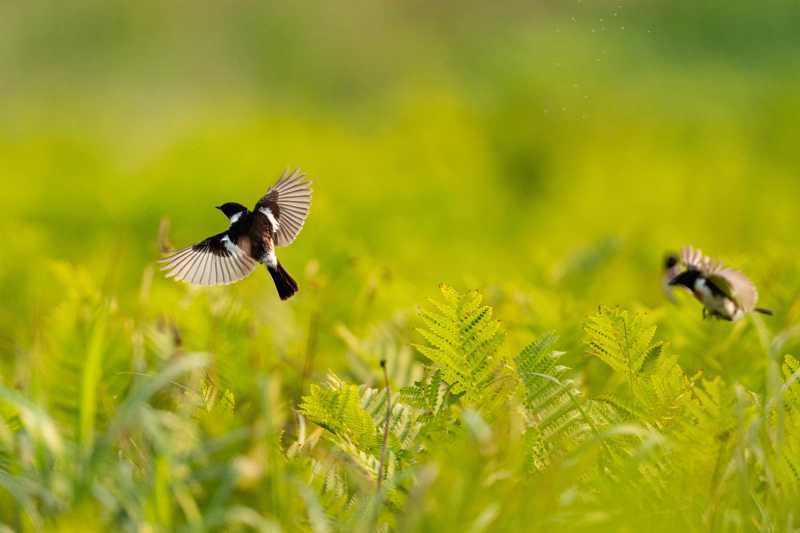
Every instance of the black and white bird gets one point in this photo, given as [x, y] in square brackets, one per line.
[724, 292]
[232, 255]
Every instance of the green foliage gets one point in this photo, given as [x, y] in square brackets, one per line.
[559, 415]
[621, 340]
[655, 389]
[463, 343]
[168, 447]
[337, 407]
[82, 372]
[786, 440]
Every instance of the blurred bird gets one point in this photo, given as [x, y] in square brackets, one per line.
[672, 267]
[251, 238]
[724, 292]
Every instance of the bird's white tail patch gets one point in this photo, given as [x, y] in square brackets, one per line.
[271, 259]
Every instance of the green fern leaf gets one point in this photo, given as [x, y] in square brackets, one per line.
[791, 392]
[560, 417]
[336, 406]
[622, 340]
[463, 344]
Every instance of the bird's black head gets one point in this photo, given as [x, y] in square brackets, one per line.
[231, 208]
[686, 279]
[670, 260]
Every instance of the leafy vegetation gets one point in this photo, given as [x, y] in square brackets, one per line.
[539, 158]
[173, 449]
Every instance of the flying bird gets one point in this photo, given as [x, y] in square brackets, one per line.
[724, 292]
[232, 255]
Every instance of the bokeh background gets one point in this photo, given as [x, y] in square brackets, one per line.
[548, 153]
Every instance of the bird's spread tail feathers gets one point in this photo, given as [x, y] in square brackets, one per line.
[763, 311]
[285, 284]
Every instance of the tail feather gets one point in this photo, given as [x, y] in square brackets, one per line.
[763, 311]
[285, 284]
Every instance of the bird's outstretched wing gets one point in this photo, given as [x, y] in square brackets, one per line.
[215, 261]
[694, 259]
[733, 283]
[287, 202]
[736, 286]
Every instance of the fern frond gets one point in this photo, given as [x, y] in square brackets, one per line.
[329, 482]
[354, 419]
[336, 406]
[789, 449]
[791, 387]
[560, 416]
[664, 392]
[463, 343]
[535, 364]
[430, 397]
[658, 392]
[404, 425]
[426, 394]
[622, 340]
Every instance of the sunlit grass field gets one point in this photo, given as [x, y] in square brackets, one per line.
[494, 192]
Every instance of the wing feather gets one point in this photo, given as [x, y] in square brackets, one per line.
[215, 261]
[207, 267]
[237, 262]
[737, 287]
[183, 265]
[733, 283]
[289, 201]
[694, 259]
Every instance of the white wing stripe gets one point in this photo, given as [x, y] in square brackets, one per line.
[272, 220]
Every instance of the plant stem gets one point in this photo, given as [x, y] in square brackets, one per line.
[386, 424]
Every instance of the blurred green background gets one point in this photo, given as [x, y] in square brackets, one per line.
[548, 153]
[562, 144]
